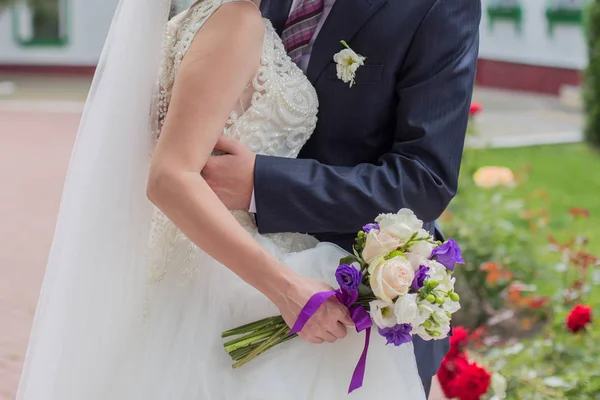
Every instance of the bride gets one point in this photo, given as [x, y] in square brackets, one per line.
[135, 295]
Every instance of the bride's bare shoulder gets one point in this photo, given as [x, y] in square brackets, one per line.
[232, 26]
[227, 47]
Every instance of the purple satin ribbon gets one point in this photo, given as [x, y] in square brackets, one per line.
[359, 316]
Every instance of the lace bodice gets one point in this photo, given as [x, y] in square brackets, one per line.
[280, 116]
[282, 111]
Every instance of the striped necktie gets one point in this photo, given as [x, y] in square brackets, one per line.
[301, 26]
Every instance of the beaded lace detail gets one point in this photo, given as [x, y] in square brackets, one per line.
[280, 118]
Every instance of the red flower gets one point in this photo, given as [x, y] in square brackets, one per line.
[450, 369]
[579, 212]
[472, 383]
[458, 340]
[579, 317]
[475, 109]
[476, 338]
[538, 303]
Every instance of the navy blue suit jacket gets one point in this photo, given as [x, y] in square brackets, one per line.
[394, 140]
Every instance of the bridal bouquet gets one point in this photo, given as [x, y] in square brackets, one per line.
[398, 279]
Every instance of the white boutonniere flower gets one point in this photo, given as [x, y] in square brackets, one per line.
[348, 62]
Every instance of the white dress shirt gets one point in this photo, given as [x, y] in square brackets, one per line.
[304, 59]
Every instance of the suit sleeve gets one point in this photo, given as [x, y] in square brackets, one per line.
[420, 170]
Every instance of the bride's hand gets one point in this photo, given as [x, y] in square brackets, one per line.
[327, 324]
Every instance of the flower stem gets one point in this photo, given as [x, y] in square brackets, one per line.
[251, 338]
[242, 352]
[249, 327]
[238, 354]
[264, 346]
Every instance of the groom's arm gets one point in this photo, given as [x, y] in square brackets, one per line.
[419, 172]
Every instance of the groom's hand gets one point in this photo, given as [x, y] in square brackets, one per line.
[231, 176]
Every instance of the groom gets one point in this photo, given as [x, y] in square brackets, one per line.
[393, 140]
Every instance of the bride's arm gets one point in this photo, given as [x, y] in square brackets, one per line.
[216, 69]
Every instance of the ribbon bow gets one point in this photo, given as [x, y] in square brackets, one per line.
[359, 316]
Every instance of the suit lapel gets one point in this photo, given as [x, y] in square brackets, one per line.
[277, 11]
[344, 21]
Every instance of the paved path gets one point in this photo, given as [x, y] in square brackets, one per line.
[512, 119]
[34, 152]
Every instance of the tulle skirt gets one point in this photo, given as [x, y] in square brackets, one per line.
[178, 353]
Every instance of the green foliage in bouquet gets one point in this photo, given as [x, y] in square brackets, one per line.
[592, 74]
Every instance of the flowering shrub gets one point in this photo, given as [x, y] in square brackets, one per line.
[561, 361]
[475, 109]
[579, 317]
[498, 238]
[463, 379]
[531, 301]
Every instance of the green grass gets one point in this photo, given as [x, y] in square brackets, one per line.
[569, 174]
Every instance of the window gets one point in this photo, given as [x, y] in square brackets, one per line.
[41, 23]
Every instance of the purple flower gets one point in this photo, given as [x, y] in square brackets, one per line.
[348, 277]
[420, 277]
[398, 335]
[369, 227]
[448, 254]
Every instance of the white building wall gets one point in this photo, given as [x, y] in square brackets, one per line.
[89, 21]
[533, 45]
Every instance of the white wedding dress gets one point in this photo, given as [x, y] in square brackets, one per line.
[177, 353]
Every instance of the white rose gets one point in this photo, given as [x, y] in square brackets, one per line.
[440, 317]
[499, 386]
[401, 225]
[422, 333]
[429, 311]
[379, 244]
[347, 63]
[416, 260]
[406, 309]
[425, 309]
[438, 272]
[422, 248]
[441, 331]
[382, 314]
[391, 278]
[450, 306]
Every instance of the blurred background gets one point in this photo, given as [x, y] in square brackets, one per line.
[527, 214]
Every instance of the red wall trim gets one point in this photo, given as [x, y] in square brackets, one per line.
[528, 78]
[490, 73]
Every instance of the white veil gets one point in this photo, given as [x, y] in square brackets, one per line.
[93, 291]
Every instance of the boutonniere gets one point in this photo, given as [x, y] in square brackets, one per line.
[348, 62]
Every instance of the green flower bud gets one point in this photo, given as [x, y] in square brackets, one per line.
[395, 253]
[455, 297]
[427, 324]
[440, 300]
[432, 284]
[430, 298]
